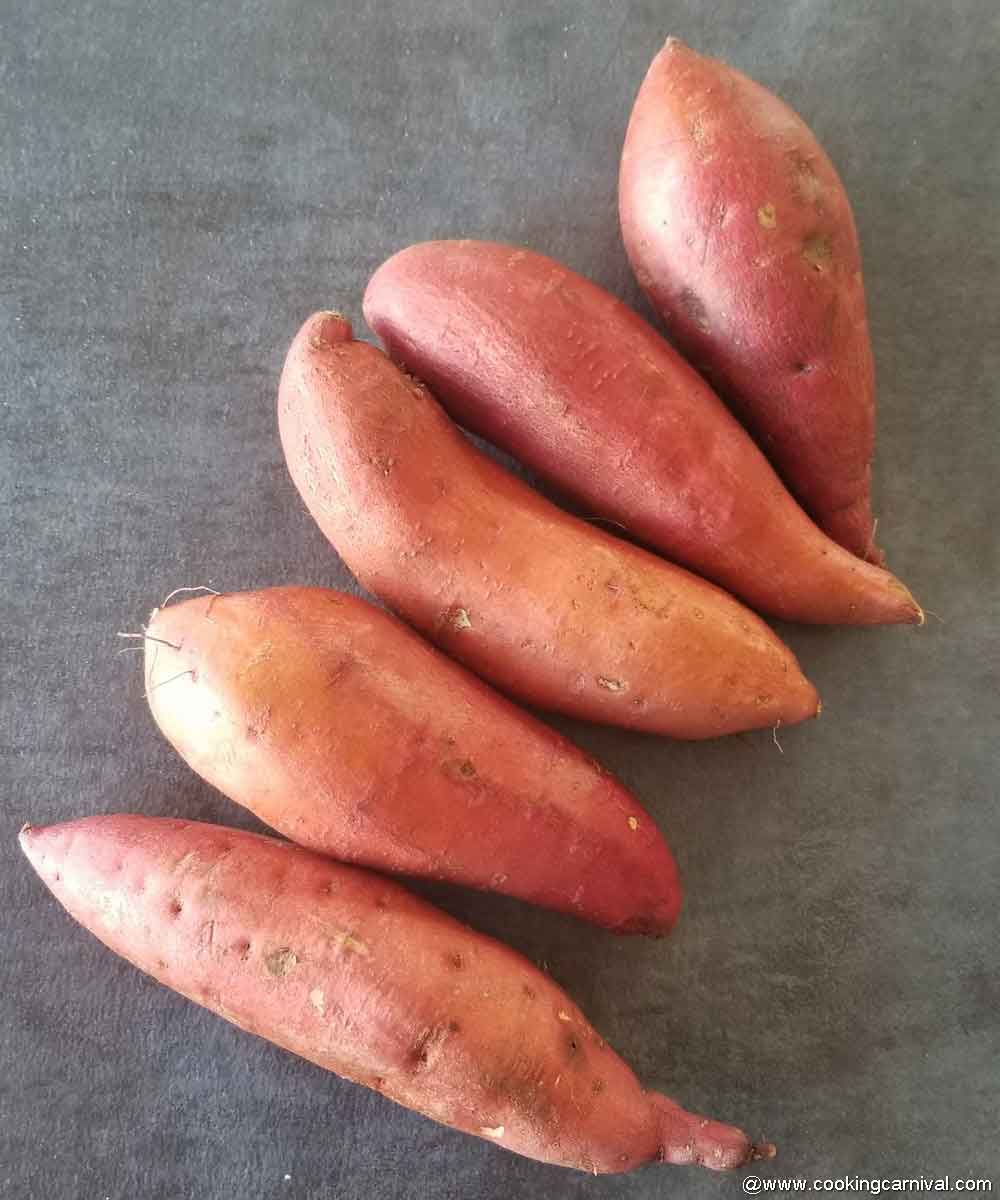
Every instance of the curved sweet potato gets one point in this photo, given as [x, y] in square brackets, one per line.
[552, 368]
[341, 728]
[352, 972]
[553, 611]
[739, 230]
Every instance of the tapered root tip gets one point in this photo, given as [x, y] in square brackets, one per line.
[326, 329]
[689, 1140]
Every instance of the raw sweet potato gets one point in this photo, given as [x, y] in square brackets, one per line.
[740, 231]
[341, 728]
[563, 375]
[552, 610]
[352, 972]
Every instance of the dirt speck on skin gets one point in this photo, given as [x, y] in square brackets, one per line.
[280, 963]
[766, 216]
[633, 824]
[611, 685]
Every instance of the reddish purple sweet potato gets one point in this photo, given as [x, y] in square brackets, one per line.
[552, 368]
[340, 727]
[352, 972]
[740, 231]
[554, 611]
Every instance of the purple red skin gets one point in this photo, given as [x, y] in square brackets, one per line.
[345, 731]
[553, 611]
[557, 371]
[355, 974]
[740, 232]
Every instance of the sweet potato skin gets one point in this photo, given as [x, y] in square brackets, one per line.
[553, 611]
[341, 728]
[352, 972]
[740, 231]
[544, 363]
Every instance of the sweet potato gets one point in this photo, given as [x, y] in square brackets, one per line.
[555, 612]
[563, 375]
[352, 972]
[341, 728]
[740, 231]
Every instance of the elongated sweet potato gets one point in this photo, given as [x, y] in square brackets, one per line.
[563, 375]
[341, 728]
[552, 610]
[740, 231]
[352, 972]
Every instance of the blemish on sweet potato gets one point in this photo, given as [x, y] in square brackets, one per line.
[458, 618]
[318, 1000]
[429, 1043]
[694, 307]
[347, 941]
[806, 183]
[261, 655]
[465, 768]
[767, 217]
[817, 252]
[281, 962]
[383, 463]
[258, 723]
[611, 685]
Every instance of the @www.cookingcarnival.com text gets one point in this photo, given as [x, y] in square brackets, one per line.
[871, 1185]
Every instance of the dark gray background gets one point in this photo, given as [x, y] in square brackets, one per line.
[181, 185]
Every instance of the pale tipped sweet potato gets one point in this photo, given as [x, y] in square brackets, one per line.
[344, 730]
[554, 369]
[554, 611]
[741, 233]
[352, 972]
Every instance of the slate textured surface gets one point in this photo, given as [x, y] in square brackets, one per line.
[179, 186]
